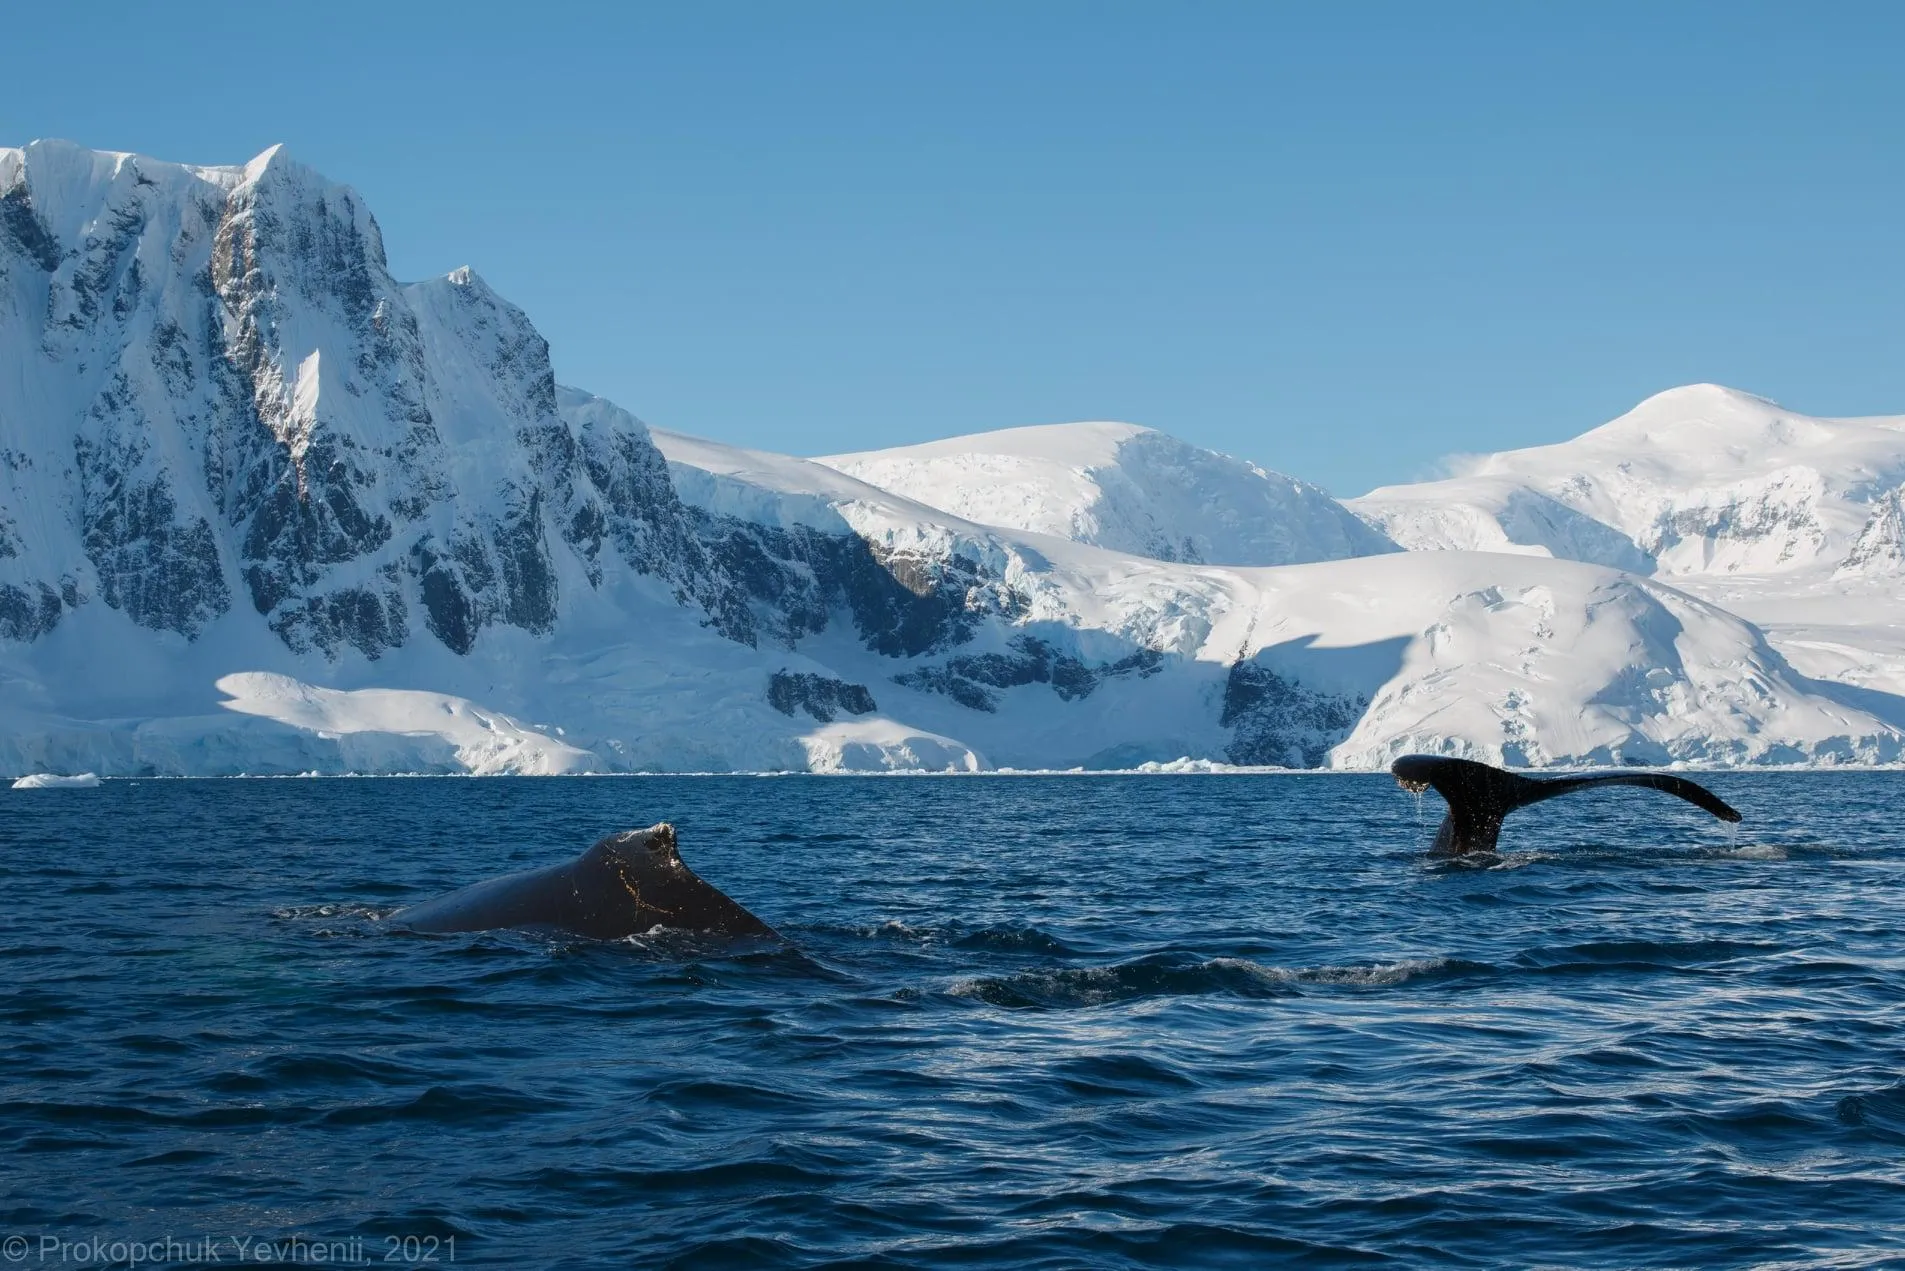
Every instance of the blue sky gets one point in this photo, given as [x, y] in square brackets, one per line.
[1343, 240]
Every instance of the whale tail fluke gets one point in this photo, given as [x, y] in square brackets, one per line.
[1480, 796]
[1692, 791]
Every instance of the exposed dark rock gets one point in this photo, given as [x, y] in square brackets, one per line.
[172, 359]
[304, 400]
[820, 696]
[902, 604]
[306, 515]
[27, 613]
[452, 583]
[512, 350]
[161, 569]
[1880, 546]
[638, 510]
[370, 619]
[966, 679]
[106, 267]
[906, 603]
[1279, 722]
[528, 574]
[305, 497]
[774, 568]
[20, 225]
[939, 679]
[475, 582]
[1791, 522]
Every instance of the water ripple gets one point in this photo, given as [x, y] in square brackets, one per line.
[1025, 1022]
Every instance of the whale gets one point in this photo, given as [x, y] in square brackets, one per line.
[1480, 797]
[627, 884]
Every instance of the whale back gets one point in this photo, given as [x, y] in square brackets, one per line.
[628, 883]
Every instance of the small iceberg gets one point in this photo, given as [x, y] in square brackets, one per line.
[54, 781]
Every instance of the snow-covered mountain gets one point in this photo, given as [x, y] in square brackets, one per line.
[1348, 663]
[1795, 522]
[230, 442]
[220, 402]
[1124, 487]
[1699, 481]
[263, 508]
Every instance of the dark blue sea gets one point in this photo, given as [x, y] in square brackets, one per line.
[1020, 1022]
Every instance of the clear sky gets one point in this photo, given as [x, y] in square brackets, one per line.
[1341, 239]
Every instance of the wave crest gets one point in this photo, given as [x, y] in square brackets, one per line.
[1168, 975]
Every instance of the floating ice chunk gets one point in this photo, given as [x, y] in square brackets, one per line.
[54, 781]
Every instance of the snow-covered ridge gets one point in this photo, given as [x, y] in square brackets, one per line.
[264, 509]
[1125, 487]
[1794, 521]
[773, 489]
[1699, 481]
[1347, 663]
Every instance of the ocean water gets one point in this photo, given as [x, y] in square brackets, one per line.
[1019, 1022]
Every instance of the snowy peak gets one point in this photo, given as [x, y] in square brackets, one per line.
[1701, 481]
[270, 157]
[1123, 487]
[73, 191]
[1675, 408]
[1704, 430]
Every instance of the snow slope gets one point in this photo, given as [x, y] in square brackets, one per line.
[1699, 481]
[1124, 487]
[1347, 663]
[1793, 521]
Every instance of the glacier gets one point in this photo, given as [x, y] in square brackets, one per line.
[265, 509]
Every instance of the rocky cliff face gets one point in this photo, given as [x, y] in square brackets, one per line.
[1278, 722]
[227, 400]
[1879, 550]
[900, 602]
